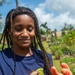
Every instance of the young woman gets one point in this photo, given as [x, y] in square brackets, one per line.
[22, 56]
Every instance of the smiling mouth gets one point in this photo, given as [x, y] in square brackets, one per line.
[25, 40]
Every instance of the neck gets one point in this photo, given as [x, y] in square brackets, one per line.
[23, 51]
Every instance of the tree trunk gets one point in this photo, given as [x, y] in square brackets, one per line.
[16, 3]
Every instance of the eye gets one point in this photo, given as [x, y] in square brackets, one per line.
[18, 29]
[30, 29]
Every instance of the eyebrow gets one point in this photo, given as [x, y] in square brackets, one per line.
[17, 24]
[29, 25]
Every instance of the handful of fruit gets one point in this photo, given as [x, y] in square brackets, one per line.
[38, 72]
[65, 71]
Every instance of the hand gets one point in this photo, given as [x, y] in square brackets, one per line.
[34, 73]
[65, 70]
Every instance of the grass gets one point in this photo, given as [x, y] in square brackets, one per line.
[57, 65]
[45, 44]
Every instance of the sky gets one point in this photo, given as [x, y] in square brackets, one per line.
[55, 12]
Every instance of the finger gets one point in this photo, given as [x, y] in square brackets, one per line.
[34, 73]
[64, 65]
[66, 72]
[54, 71]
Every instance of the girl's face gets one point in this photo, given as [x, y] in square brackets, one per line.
[22, 31]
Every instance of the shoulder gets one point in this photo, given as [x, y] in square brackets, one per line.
[4, 54]
[49, 55]
[5, 51]
[39, 54]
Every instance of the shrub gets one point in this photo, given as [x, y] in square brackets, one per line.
[71, 62]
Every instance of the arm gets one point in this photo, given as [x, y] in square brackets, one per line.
[65, 70]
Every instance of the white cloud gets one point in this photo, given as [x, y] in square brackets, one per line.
[43, 16]
[61, 6]
[59, 12]
[65, 10]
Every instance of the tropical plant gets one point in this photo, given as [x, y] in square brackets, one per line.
[4, 2]
[71, 62]
[42, 32]
[47, 30]
[44, 29]
[58, 54]
[69, 38]
[1, 2]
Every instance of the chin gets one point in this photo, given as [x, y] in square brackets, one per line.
[25, 45]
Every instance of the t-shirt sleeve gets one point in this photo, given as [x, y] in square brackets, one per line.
[1, 63]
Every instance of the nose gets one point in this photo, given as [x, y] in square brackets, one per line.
[24, 33]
